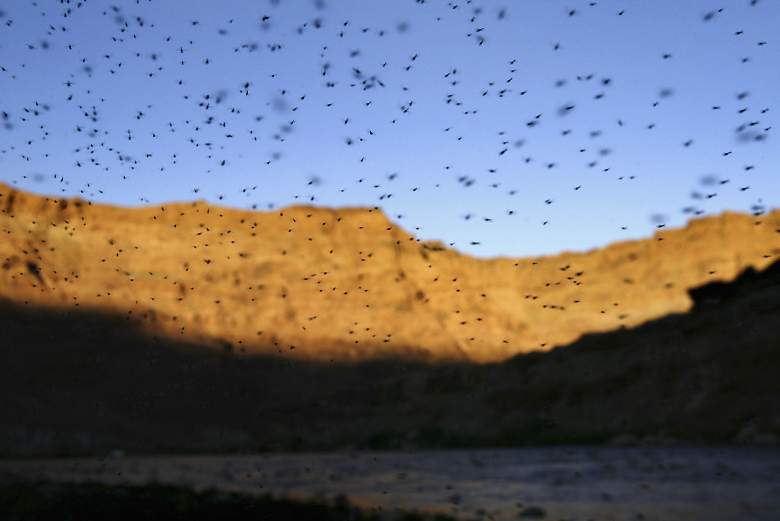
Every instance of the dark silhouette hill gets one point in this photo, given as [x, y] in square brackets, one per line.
[87, 382]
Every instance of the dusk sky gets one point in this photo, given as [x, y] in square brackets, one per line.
[503, 127]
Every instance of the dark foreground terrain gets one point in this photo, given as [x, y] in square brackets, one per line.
[81, 383]
[44, 501]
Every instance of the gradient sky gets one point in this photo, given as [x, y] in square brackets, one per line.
[110, 103]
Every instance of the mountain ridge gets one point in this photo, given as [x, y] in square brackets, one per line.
[326, 283]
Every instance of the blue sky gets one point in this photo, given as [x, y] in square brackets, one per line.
[592, 118]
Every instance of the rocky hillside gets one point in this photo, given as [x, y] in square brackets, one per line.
[348, 283]
[75, 382]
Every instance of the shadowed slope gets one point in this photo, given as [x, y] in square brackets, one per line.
[349, 284]
[79, 382]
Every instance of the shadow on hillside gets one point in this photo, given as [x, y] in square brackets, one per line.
[86, 383]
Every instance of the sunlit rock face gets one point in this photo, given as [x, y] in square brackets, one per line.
[347, 284]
